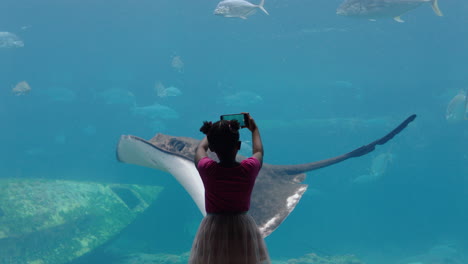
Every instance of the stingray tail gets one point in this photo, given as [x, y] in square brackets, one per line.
[435, 7]
[264, 10]
[301, 168]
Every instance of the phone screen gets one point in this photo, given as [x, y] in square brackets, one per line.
[241, 118]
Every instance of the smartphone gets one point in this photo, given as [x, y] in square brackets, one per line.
[241, 118]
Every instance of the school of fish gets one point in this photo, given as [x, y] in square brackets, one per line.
[371, 9]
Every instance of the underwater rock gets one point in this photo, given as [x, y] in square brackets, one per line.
[10, 40]
[56, 221]
[315, 259]
[141, 258]
[22, 88]
[446, 253]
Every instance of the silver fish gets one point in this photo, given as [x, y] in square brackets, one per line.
[377, 170]
[22, 88]
[238, 8]
[457, 109]
[373, 9]
[10, 40]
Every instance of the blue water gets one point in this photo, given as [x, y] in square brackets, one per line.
[299, 64]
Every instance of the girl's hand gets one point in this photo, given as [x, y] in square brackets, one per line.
[251, 125]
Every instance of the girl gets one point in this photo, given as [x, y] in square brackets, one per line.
[228, 234]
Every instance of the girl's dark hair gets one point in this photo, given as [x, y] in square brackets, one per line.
[222, 135]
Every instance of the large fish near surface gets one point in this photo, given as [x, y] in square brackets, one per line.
[238, 8]
[373, 9]
[277, 190]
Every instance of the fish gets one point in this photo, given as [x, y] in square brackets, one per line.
[377, 170]
[21, 88]
[457, 109]
[155, 111]
[56, 221]
[238, 8]
[10, 40]
[162, 91]
[277, 190]
[177, 64]
[373, 9]
[241, 99]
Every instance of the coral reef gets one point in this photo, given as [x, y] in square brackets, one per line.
[140, 258]
[54, 222]
[313, 258]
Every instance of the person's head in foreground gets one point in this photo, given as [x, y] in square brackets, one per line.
[223, 138]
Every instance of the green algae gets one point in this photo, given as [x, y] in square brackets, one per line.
[312, 258]
[53, 221]
[141, 258]
[316, 259]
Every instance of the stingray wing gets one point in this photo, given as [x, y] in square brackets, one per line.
[274, 196]
[135, 150]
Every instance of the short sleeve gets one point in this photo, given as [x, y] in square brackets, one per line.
[252, 165]
[205, 163]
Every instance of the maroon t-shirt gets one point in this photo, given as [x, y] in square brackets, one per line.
[228, 190]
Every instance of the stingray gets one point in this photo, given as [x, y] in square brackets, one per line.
[277, 190]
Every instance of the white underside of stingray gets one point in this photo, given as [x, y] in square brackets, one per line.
[134, 151]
